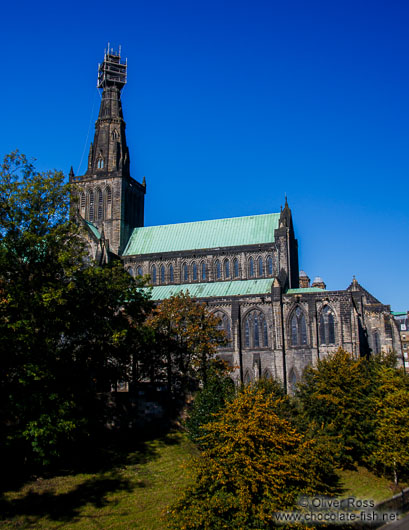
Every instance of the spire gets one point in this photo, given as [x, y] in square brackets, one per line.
[71, 174]
[109, 151]
[286, 216]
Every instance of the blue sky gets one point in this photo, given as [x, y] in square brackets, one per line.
[230, 105]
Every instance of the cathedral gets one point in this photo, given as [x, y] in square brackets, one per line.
[244, 268]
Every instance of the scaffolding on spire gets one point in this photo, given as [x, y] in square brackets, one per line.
[112, 72]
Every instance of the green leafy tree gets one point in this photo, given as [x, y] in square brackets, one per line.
[336, 400]
[187, 336]
[67, 327]
[254, 464]
[392, 422]
[217, 393]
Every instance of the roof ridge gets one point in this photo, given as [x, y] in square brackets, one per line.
[210, 220]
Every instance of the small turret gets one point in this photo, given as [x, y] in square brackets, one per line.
[304, 280]
[318, 282]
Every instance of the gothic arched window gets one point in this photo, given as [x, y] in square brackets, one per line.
[236, 268]
[100, 163]
[251, 267]
[194, 269]
[171, 275]
[204, 272]
[292, 380]
[218, 270]
[91, 205]
[185, 273]
[162, 274]
[108, 195]
[226, 268]
[270, 266]
[130, 271]
[298, 328]
[100, 210]
[260, 266]
[154, 274]
[224, 324]
[255, 330]
[327, 326]
[139, 271]
[376, 343]
[82, 204]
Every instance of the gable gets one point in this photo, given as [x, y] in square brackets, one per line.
[217, 233]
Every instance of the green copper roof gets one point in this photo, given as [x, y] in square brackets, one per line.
[398, 313]
[214, 289]
[93, 229]
[235, 231]
[305, 290]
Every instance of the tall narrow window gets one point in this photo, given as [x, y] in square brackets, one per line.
[154, 274]
[327, 326]
[204, 273]
[218, 270]
[82, 204]
[298, 328]
[292, 380]
[194, 269]
[100, 163]
[185, 273]
[91, 205]
[260, 266]
[162, 274]
[171, 275]
[227, 268]
[265, 333]
[247, 333]
[256, 338]
[236, 268]
[139, 271]
[376, 343]
[270, 266]
[251, 267]
[255, 330]
[224, 324]
[108, 194]
[100, 204]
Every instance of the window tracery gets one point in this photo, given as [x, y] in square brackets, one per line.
[327, 326]
[255, 330]
[298, 328]
[224, 325]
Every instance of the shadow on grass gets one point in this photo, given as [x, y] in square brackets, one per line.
[66, 506]
[104, 455]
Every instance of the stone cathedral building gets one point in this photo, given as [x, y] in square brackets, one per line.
[245, 268]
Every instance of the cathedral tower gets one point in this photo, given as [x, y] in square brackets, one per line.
[109, 197]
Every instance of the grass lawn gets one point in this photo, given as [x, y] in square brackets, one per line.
[133, 493]
[362, 484]
[130, 495]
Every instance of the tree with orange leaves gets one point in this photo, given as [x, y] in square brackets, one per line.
[187, 335]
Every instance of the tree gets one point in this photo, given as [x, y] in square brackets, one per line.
[187, 336]
[254, 464]
[67, 327]
[336, 395]
[216, 394]
[392, 422]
